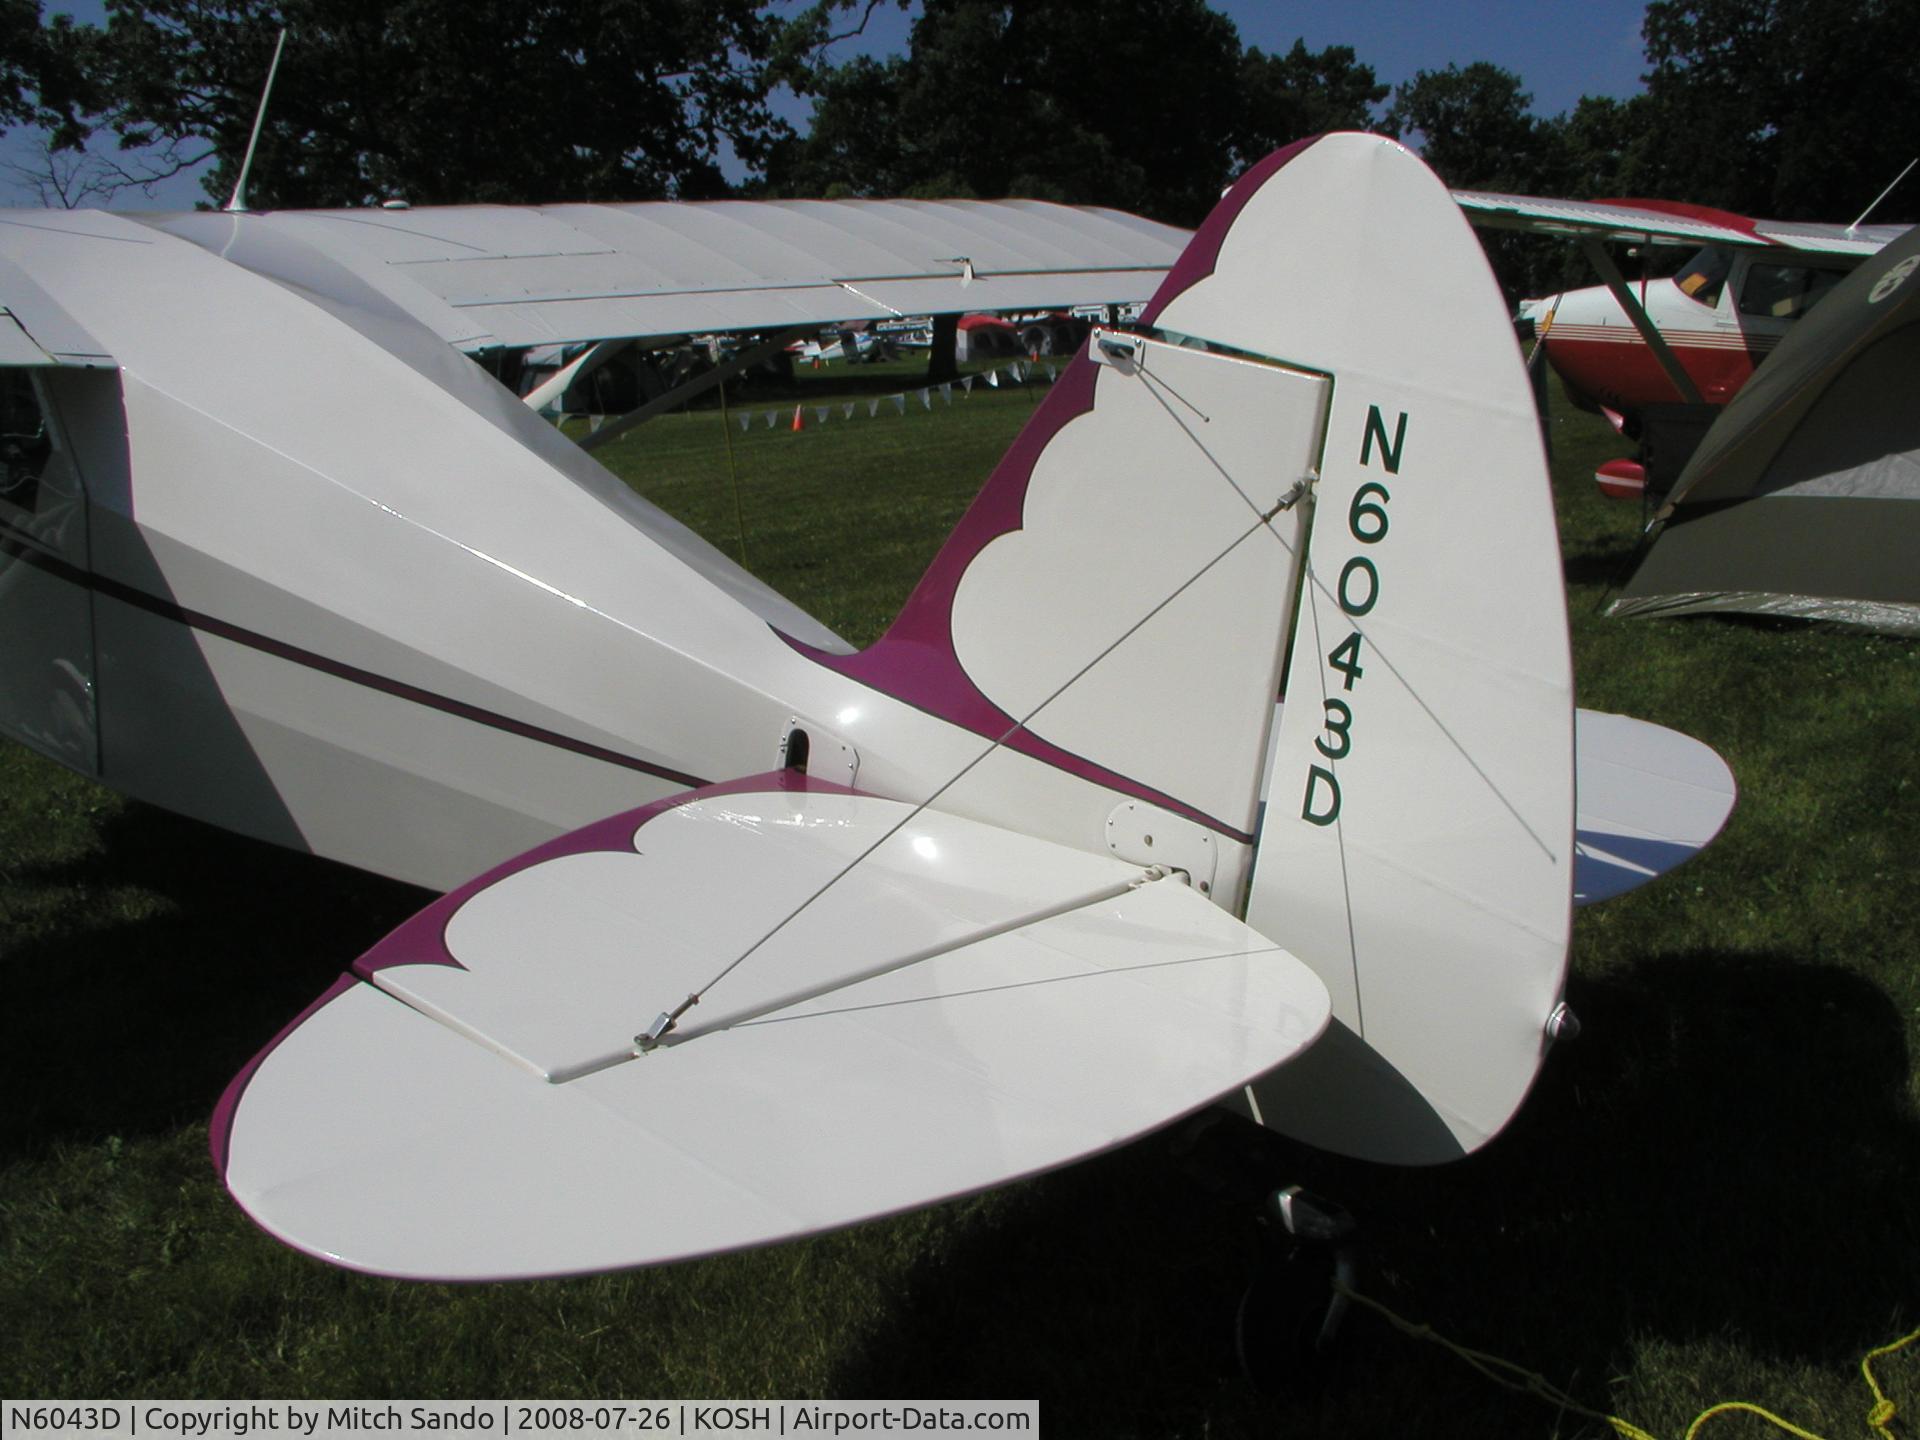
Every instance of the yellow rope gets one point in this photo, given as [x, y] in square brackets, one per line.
[1881, 1416]
[1513, 1377]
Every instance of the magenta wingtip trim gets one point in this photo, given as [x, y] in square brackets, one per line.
[220, 1128]
[421, 940]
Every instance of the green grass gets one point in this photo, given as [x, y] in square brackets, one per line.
[1713, 1194]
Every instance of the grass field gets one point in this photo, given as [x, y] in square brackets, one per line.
[1713, 1194]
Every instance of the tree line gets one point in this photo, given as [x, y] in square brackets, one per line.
[1792, 109]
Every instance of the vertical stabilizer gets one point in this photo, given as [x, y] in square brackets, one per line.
[1417, 842]
[1119, 598]
[1117, 601]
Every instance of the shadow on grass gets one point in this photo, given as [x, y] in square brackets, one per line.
[1728, 1150]
[1606, 563]
[189, 950]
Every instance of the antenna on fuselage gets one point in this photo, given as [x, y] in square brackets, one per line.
[238, 200]
[1883, 195]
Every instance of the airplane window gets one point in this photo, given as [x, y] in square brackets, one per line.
[1784, 292]
[24, 443]
[1704, 276]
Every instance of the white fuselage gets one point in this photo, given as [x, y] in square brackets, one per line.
[338, 589]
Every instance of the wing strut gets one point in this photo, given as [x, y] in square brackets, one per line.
[1617, 283]
[656, 1034]
[699, 385]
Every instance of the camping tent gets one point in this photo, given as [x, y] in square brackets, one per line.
[1804, 497]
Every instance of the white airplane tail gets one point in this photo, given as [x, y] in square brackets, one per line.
[1417, 844]
[1330, 354]
[1116, 602]
[1323, 441]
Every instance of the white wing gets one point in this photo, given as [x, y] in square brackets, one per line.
[483, 276]
[1659, 222]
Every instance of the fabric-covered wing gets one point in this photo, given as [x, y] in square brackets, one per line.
[966, 1006]
[482, 276]
[1663, 222]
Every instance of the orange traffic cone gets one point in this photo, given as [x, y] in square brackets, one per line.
[799, 423]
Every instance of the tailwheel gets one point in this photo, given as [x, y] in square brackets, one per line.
[1287, 1328]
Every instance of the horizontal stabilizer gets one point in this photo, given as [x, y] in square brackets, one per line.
[1649, 799]
[973, 1005]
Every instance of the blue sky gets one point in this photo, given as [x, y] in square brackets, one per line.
[1561, 49]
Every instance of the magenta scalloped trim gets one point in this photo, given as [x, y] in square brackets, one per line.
[1197, 261]
[915, 660]
[421, 940]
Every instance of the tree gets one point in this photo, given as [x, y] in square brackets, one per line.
[1284, 98]
[1598, 149]
[74, 176]
[1475, 126]
[45, 72]
[1130, 104]
[449, 100]
[1792, 109]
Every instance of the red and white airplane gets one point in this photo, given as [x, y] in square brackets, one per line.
[1659, 357]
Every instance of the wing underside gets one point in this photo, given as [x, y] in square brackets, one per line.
[1661, 223]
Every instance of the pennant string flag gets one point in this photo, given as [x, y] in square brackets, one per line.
[1015, 372]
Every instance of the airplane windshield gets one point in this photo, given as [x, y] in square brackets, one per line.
[1785, 292]
[1704, 276]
